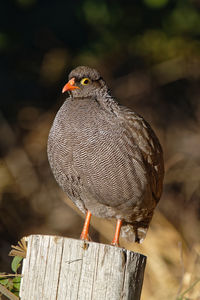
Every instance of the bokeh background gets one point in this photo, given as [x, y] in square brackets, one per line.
[149, 53]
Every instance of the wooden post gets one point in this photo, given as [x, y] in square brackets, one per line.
[58, 268]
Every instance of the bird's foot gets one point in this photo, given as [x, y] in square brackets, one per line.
[85, 236]
[115, 243]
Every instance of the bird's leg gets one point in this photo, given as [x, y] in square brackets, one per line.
[115, 241]
[84, 234]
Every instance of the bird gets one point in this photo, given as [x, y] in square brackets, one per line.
[105, 157]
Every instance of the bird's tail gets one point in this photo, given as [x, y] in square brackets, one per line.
[133, 233]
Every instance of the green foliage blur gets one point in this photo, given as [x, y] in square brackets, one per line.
[40, 41]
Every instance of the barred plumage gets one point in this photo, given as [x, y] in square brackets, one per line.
[105, 157]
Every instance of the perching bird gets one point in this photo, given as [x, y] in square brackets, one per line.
[105, 157]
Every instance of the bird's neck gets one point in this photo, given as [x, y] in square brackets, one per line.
[104, 98]
[107, 101]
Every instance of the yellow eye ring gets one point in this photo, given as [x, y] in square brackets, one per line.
[85, 81]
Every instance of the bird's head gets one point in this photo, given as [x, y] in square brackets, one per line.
[85, 82]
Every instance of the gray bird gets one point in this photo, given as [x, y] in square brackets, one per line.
[105, 157]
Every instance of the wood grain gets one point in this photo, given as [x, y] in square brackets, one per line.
[68, 269]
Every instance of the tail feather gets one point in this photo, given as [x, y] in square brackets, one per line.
[132, 234]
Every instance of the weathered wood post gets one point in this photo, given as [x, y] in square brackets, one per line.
[58, 268]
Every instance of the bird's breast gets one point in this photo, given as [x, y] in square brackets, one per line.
[88, 141]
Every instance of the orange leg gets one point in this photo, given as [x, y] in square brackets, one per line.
[84, 234]
[115, 241]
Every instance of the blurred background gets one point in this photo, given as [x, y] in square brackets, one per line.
[149, 53]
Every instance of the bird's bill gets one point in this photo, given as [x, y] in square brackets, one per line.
[70, 86]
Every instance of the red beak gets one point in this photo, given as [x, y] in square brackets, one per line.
[70, 86]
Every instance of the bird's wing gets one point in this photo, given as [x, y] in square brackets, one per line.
[141, 134]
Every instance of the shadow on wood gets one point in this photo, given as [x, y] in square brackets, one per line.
[68, 269]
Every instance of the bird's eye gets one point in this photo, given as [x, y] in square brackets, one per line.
[85, 81]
